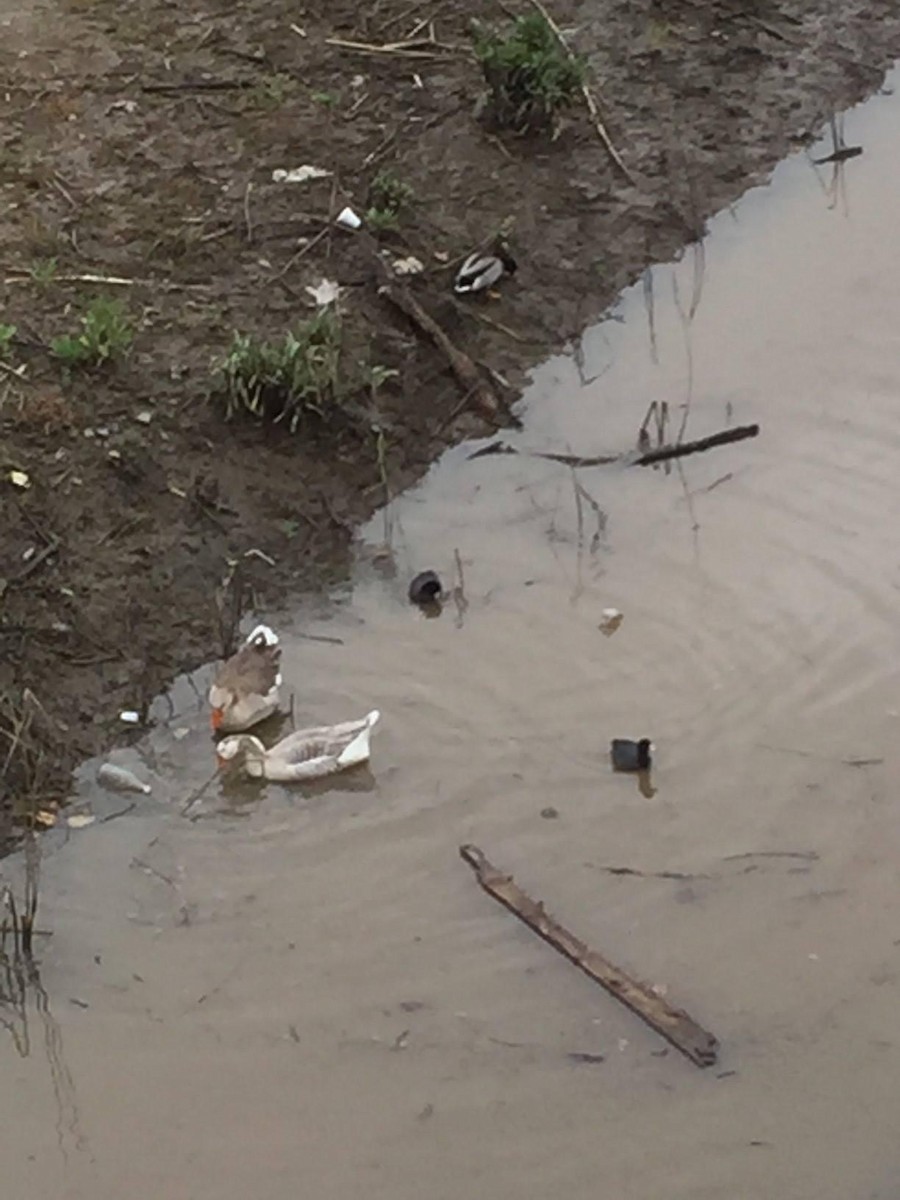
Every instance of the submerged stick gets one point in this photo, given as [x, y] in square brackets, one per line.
[662, 454]
[673, 1024]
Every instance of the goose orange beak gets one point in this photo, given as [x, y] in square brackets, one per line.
[216, 717]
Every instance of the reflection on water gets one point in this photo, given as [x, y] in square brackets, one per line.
[265, 991]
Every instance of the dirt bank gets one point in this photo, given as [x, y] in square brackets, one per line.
[139, 143]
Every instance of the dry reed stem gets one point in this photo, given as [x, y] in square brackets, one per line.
[592, 105]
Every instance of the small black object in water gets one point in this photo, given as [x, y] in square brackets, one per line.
[425, 588]
[630, 756]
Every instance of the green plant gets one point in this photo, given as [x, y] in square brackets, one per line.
[7, 333]
[378, 375]
[380, 219]
[389, 193]
[273, 90]
[388, 196]
[43, 270]
[530, 76]
[106, 334]
[287, 380]
[326, 99]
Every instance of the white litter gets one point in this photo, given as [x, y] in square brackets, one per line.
[19, 479]
[144, 416]
[120, 779]
[298, 174]
[348, 219]
[80, 820]
[130, 717]
[612, 619]
[408, 266]
[324, 293]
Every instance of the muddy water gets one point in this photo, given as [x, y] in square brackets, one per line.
[303, 992]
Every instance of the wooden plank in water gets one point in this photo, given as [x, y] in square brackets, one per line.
[672, 1023]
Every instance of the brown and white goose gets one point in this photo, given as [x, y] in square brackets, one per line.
[245, 691]
[306, 754]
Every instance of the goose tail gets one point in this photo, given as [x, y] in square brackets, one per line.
[357, 751]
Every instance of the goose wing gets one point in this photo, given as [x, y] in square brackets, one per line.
[252, 671]
[322, 741]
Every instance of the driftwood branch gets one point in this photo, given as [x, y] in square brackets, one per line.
[198, 85]
[664, 453]
[672, 1023]
[481, 394]
[661, 454]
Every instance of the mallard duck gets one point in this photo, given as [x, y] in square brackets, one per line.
[306, 754]
[245, 691]
[482, 271]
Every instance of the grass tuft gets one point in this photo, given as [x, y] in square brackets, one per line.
[285, 381]
[388, 196]
[530, 76]
[106, 334]
[7, 333]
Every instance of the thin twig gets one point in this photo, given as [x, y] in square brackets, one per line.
[197, 793]
[589, 100]
[400, 49]
[16, 372]
[380, 149]
[248, 223]
[459, 592]
[300, 253]
[200, 85]
[33, 563]
[110, 279]
[486, 320]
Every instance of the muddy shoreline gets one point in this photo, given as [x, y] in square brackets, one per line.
[140, 146]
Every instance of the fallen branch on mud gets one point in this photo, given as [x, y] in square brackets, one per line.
[661, 454]
[199, 85]
[673, 1024]
[479, 392]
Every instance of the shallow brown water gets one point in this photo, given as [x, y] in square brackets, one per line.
[305, 993]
